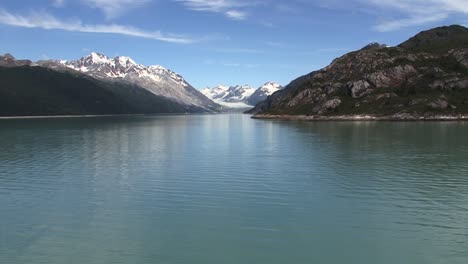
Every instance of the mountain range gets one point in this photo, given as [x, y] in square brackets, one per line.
[241, 96]
[59, 87]
[156, 79]
[425, 77]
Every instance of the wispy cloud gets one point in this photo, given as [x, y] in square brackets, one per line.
[416, 12]
[397, 14]
[58, 3]
[275, 44]
[392, 25]
[236, 15]
[49, 22]
[115, 8]
[239, 50]
[232, 9]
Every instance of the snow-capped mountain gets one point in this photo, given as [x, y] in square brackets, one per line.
[240, 96]
[156, 79]
[262, 93]
[230, 96]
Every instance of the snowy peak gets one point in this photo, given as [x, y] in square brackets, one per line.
[122, 67]
[93, 59]
[218, 92]
[98, 58]
[270, 87]
[241, 95]
[156, 79]
[125, 61]
[263, 92]
[230, 94]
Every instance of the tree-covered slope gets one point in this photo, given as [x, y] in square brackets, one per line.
[34, 91]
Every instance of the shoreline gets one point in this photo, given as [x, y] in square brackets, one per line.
[63, 116]
[106, 115]
[361, 118]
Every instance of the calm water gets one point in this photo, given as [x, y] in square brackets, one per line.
[228, 189]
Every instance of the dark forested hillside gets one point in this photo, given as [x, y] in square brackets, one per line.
[33, 91]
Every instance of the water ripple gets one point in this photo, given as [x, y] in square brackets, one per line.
[229, 189]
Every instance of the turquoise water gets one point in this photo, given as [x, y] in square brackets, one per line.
[229, 189]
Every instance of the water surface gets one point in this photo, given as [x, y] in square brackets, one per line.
[229, 189]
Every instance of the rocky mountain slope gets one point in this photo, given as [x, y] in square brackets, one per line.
[156, 79]
[243, 96]
[425, 77]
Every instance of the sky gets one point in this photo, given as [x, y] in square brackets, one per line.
[212, 42]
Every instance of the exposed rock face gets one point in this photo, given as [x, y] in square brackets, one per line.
[359, 88]
[403, 81]
[331, 105]
[439, 104]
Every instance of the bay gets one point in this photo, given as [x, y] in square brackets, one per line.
[229, 189]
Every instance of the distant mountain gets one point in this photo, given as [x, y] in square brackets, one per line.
[38, 91]
[9, 60]
[262, 93]
[230, 96]
[156, 79]
[425, 77]
[240, 96]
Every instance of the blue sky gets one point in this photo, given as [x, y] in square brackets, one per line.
[213, 42]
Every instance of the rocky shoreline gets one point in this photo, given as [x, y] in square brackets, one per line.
[401, 117]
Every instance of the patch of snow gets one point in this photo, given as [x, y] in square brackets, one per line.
[270, 88]
[232, 105]
[99, 58]
[125, 61]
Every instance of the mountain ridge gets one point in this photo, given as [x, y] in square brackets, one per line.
[423, 78]
[39, 91]
[155, 78]
[53, 88]
[242, 96]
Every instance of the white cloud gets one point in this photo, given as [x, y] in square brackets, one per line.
[236, 15]
[230, 8]
[58, 3]
[115, 8]
[416, 12]
[49, 22]
[392, 25]
[397, 14]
